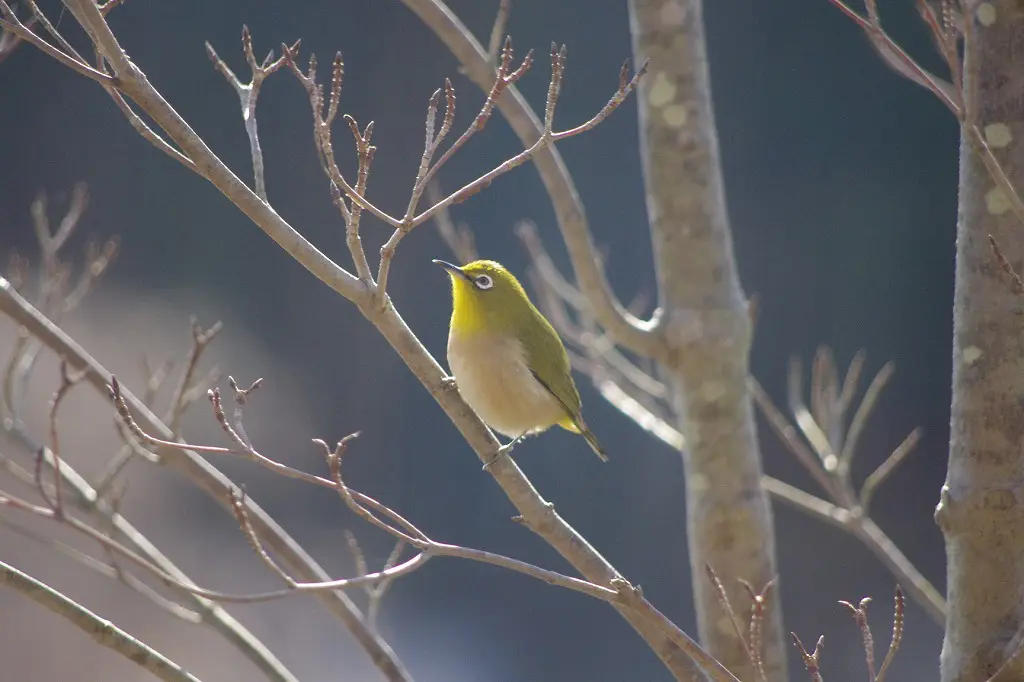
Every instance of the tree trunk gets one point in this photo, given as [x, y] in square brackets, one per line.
[981, 510]
[729, 520]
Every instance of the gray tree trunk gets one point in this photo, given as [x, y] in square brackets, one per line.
[729, 520]
[981, 511]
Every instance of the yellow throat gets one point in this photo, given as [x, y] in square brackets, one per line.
[507, 359]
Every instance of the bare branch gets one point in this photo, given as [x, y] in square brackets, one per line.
[897, 635]
[498, 29]
[946, 32]
[67, 381]
[860, 615]
[625, 89]
[807, 503]
[723, 598]
[846, 509]
[812, 661]
[201, 339]
[359, 503]
[248, 93]
[898, 59]
[9, 41]
[211, 481]
[101, 630]
[106, 7]
[10, 23]
[860, 417]
[788, 435]
[878, 476]
[812, 431]
[758, 605]
[458, 238]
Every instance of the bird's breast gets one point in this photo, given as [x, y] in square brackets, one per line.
[495, 380]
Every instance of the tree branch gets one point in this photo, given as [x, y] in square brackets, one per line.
[102, 631]
[206, 477]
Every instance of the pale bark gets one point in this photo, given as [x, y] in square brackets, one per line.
[102, 631]
[706, 326]
[981, 511]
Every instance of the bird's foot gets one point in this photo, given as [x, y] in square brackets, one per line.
[449, 384]
[504, 450]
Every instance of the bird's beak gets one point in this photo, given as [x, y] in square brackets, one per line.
[452, 269]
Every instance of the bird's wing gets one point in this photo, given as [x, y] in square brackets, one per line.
[546, 357]
[565, 400]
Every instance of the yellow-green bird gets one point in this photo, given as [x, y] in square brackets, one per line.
[508, 362]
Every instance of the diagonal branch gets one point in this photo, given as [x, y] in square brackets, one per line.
[10, 23]
[206, 477]
[103, 631]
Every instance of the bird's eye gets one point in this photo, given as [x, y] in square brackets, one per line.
[484, 282]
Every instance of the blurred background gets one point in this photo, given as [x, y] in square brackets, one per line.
[841, 185]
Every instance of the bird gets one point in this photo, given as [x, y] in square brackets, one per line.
[508, 362]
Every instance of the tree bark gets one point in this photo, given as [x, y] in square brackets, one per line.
[981, 510]
[707, 327]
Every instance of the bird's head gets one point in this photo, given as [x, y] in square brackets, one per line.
[485, 295]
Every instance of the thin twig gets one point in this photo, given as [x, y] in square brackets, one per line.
[860, 616]
[945, 33]
[248, 94]
[179, 399]
[10, 23]
[860, 417]
[9, 41]
[67, 381]
[845, 508]
[723, 600]
[812, 661]
[458, 238]
[758, 606]
[777, 420]
[498, 29]
[360, 503]
[897, 635]
[878, 476]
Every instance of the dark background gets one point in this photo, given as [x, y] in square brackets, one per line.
[841, 184]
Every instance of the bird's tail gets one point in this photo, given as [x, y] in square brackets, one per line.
[577, 425]
[591, 439]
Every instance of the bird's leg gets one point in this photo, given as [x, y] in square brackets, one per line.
[505, 449]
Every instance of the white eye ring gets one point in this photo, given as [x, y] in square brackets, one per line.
[483, 282]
